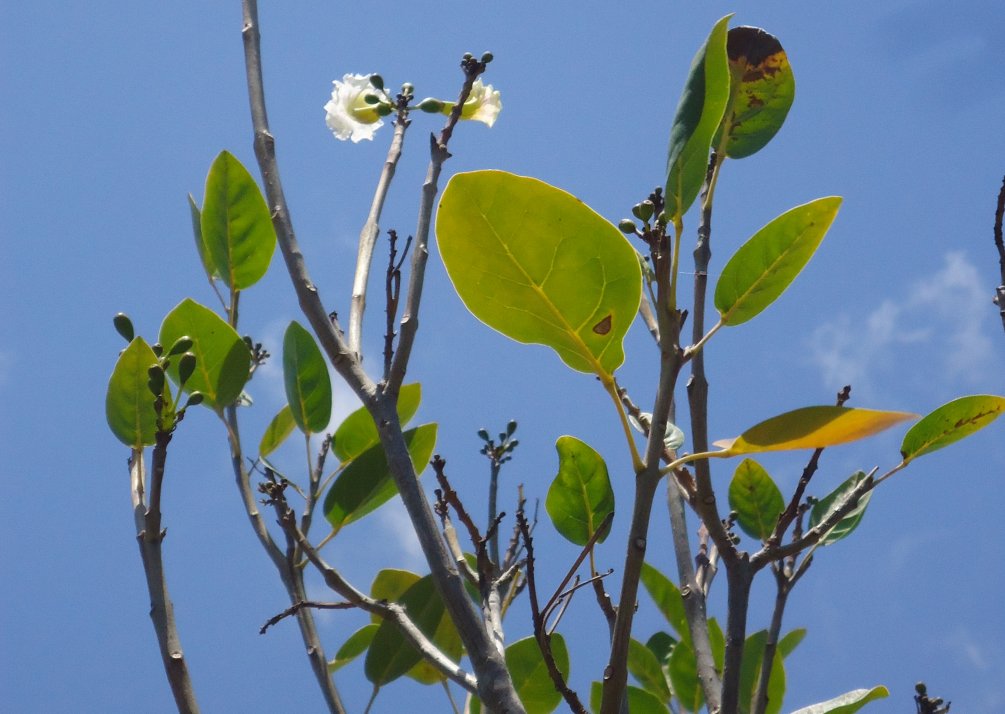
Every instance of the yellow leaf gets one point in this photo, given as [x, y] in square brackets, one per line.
[812, 428]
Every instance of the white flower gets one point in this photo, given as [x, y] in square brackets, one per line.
[348, 114]
[483, 104]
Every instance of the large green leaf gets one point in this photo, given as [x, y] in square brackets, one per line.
[756, 499]
[129, 403]
[847, 703]
[540, 266]
[530, 674]
[761, 92]
[647, 669]
[640, 701]
[699, 114]
[357, 644]
[279, 428]
[823, 508]
[580, 497]
[812, 428]
[236, 225]
[367, 483]
[305, 375]
[950, 423]
[765, 265]
[223, 360]
[390, 655]
[357, 432]
[668, 599]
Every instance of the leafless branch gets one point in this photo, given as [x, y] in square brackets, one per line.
[296, 607]
[1000, 245]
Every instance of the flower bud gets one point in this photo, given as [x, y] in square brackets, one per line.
[377, 81]
[430, 105]
[627, 226]
[124, 326]
[487, 57]
[644, 211]
[194, 398]
[155, 380]
[182, 344]
[186, 366]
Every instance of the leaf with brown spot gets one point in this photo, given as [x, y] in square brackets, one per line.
[761, 92]
[604, 326]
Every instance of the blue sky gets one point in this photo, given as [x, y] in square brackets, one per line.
[113, 112]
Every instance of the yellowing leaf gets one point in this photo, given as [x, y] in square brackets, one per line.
[951, 422]
[540, 266]
[812, 428]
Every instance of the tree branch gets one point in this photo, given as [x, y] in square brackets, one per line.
[388, 610]
[368, 237]
[149, 536]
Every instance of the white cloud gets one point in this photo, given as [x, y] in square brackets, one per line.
[394, 519]
[940, 317]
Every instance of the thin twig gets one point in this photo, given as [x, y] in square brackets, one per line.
[438, 155]
[392, 291]
[147, 518]
[540, 634]
[1000, 245]
[296, 607]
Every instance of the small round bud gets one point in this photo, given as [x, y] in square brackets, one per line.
[157, 348]
[408, 89]
[182, 344]
[371, 99]
[627, 226]
[186, 366]
[511, 427]
[377, 81]
[643, 211]
[124, 326]
[467, 56]
[155, 380]
[383, 109]
[483, 434]
[195, 398]
[430, 105]
[487, 57]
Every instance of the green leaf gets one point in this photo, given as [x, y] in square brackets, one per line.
[750, 674]
[683, 672]
[668, 599]
[761, 92]
[357, 432]
[389, 655]
[847, 703]
[764, 266]
[279, 428]
[235, 224]
[223, 361]
[539, 266]
[580, 497]
[661, 644]
[390, 584]
[823, 508]
[129, 405]
[647, 669]
[756, 499]
[717, 641]
[639, 700]
[699, 114]
[367, 483]
[200, 245]
[352, 648]
[305, 375]
[530, 674]
[791, 640]
[812, 428]
[951, 422]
